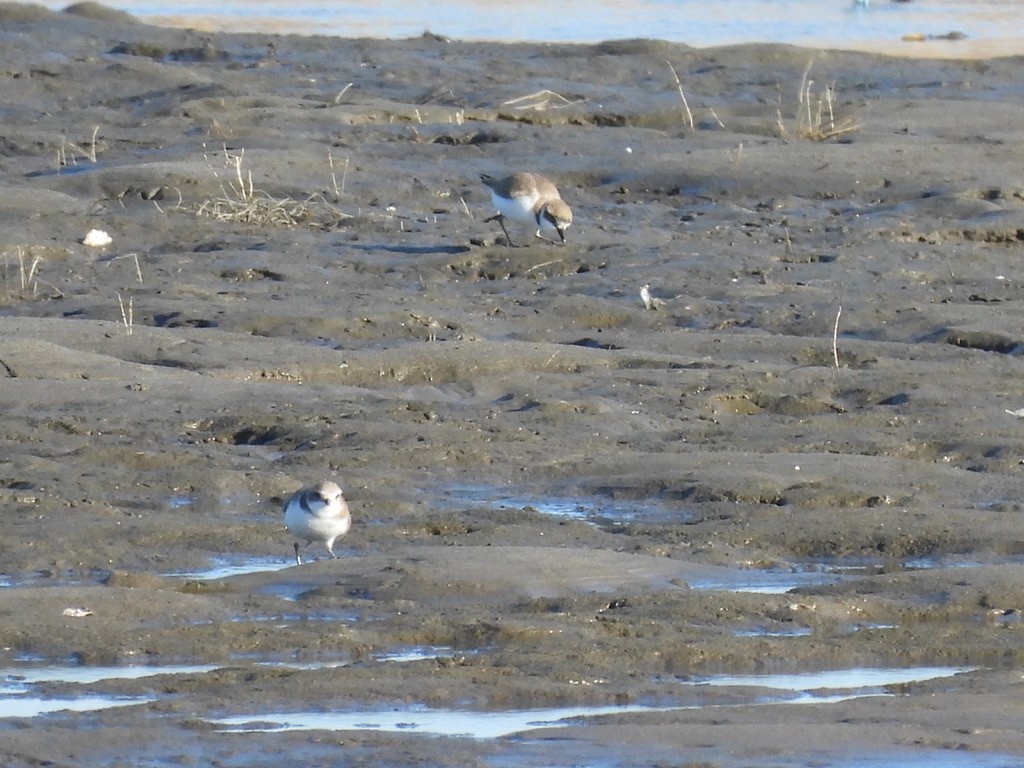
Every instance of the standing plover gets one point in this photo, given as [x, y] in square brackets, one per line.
[529, 198]
[318, 513]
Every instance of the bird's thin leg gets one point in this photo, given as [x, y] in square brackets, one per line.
[500, 218]
[298, 560]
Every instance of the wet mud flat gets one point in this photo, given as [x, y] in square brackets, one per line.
[805, 459]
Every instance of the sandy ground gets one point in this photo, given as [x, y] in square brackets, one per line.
[301, 284]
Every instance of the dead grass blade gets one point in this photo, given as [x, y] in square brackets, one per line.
[541, 101]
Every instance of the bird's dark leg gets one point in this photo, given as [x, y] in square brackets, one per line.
[500, 218]
[298, 560]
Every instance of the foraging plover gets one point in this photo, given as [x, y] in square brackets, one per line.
[529, 198]
[650, 302]
[318, 513]
[646, 298]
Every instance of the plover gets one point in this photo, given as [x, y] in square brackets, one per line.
[650, 302]
[529, 198]
[318, 513]
[646, 298]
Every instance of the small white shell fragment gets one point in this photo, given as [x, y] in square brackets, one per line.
[97, 238]
[1018, 412]
[76, 613]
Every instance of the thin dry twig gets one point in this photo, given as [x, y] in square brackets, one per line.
[127, 313]
[543, 264]
[135, 256]
[337, 99]
[540, 101]
[89, 153]
[779, 121]
[835, 338]
[338, 192]
[803, 82]
[687, 114]
[27, 278]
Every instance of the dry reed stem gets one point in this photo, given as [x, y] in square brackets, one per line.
[127, 313]
[27, 279]
[542, 265]
[337, 99]
[540, 101]
[803, 82]
[334, 179]
[88, 153]
[835, 338]
[687, 114]
[135, 256]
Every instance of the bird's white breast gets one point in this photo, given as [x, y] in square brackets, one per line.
[518, 208]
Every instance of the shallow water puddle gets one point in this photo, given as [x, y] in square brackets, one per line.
[15, 685]
[903, 758]
[242, 503]
[598, 511]
[606, 513]
[818, 688]
[866, 680]
[766, 632]
[33, 706]
[18, 678]
[477, 725]
[764, 582]
[222, 569]
[46, 578]
[418, 653]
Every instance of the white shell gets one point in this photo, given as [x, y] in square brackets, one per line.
[97, 238]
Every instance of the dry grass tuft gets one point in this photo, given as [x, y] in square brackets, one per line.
[67, 151]
[241, 202]
[26, 283]
[816, 113]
